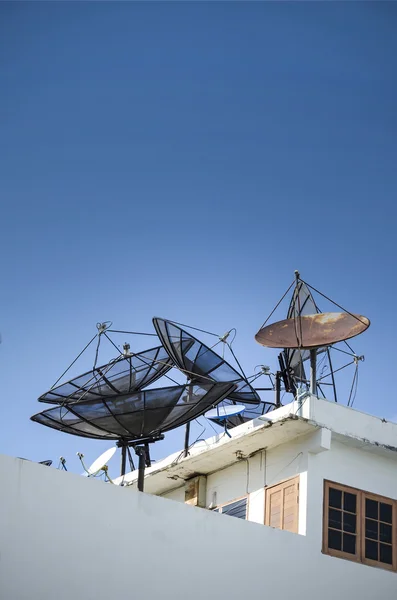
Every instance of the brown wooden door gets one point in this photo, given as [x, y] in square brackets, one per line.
[282, 505]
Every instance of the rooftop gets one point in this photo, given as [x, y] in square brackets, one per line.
[331, 420]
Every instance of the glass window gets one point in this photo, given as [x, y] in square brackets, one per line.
[360, 526]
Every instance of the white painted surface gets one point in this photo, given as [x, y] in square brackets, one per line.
[341, 445]
[64, 537]
[348, 466]
[353, 423]
[178, 494]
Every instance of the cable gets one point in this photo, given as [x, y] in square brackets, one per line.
[278, 304]
[195, 328]
[72, 363]
[248, 475]
[131, 332]
[177, 459]
[355, 391]
[235, 358]
[355, 380]
[333, 302]
[277, 474]
[340, 369]
[97, 350]
[343, 351]
[113, 344]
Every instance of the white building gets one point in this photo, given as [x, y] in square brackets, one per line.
[325, 473]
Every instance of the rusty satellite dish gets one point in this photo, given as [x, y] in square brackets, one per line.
[312, 331]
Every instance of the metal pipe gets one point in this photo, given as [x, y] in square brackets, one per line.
[313, 371]
[123, 459]
[278, 389]
[187, 432]
[141, 451]
[187, 429]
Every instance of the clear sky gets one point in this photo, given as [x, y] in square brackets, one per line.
[181, 160]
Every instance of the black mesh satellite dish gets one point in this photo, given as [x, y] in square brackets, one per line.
[199, 362]
[123, 375]
[136, 419]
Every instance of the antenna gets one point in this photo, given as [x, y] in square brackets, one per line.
[98, 464]
[201, 363]
[307, 332]
[313, 331]
[135, 419]
[122, 375]
[221, 414]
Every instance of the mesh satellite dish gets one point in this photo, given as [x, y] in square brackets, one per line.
[292, 359]
[199, 362]
[136, 419]
[312, 331]
[123, 375]
[305, 334]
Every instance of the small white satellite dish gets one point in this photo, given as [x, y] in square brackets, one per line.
[101, 461]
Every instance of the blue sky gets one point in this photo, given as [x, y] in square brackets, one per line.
[181, 160]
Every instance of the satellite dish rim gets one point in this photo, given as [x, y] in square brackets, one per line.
[65, 400]
[102, 460]
[171, 353]
[284, 333]
[230, 410]
[218, 390]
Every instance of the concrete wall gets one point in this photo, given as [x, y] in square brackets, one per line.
[348, 466]
[65, 537]
[342, 463]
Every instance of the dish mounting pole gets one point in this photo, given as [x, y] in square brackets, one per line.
[123, 460]
[313, 371]
[141, 448]
[187, 428]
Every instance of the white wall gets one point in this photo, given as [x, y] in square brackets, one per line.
[251, 476]
[64, 537]
[348, 466]
[342, 463]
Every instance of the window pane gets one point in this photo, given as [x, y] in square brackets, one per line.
[349, 502]
[385, 512]
[334, 539]
[371, 550]
[386, 555]
[334, 518]
[385, 533]
[371, 508]
[335, 498]
[349, 522]
[371, 529]
[349, 543]
[236, 509]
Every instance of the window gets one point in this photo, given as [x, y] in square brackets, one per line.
[282, 504]
[238, 509]
[360, 526]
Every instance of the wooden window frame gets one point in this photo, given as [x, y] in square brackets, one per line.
[281, 484]
[245, 497]
[359, 556]
[393, 503]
